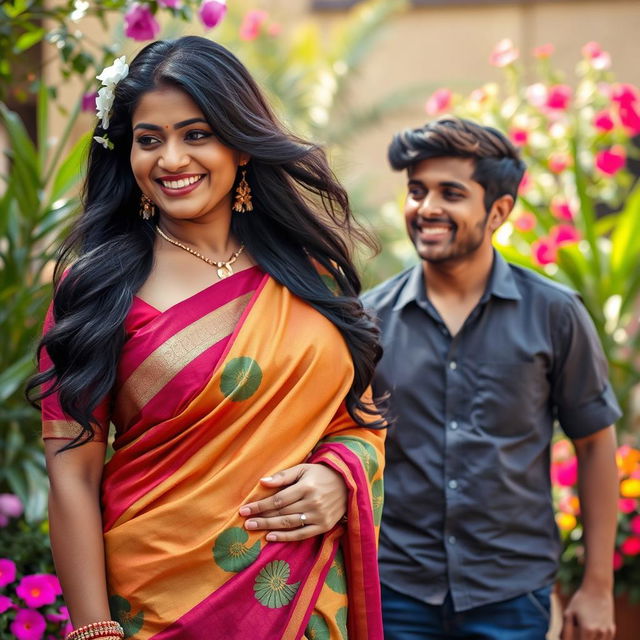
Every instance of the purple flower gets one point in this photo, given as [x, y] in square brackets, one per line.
[61, 616]
[172, 4]
[5, 604]
[28, 625]
[7, 571]
[89, 101]
[36, 590]
[140, 23]
[10, 505]
[212, 11]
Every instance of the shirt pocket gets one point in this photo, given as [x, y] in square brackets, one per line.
[510, 397]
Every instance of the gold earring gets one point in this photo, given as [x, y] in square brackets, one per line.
[147, 208]
[243, 195]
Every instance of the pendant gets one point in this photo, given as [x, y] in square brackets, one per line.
[225, 271]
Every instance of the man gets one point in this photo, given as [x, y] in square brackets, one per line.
[480, 358]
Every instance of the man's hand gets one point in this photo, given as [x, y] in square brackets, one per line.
[589, 616]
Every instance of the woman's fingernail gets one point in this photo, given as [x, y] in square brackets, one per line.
[245, 511]
[251, 524]
[272, 537]
[266, 479]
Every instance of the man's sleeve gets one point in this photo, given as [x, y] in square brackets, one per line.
[583, 398]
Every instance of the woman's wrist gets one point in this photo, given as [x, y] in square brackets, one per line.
[104, 630]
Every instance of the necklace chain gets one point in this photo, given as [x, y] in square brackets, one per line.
[223, 266]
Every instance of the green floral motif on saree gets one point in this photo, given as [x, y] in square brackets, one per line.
[230, 551]
[271, 588]
[341, 621]
[317, 629]
[337, 576]
[365, 451]
[331, 284]
[241, 378]
[377, 494]
[121, 611]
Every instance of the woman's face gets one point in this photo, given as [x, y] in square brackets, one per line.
[177, 160]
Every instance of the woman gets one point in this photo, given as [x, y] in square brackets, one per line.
[211, 315]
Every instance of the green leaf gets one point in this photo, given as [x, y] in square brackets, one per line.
[27, 40]
[71, 169]
[625, 239]
[15, 375]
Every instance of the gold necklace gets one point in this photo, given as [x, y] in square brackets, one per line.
[223, 267]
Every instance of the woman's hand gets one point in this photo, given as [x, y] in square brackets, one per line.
[314, 499]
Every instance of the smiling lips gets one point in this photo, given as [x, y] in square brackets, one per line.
[433, 230]
[179, 185]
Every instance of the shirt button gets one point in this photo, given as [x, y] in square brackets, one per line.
[451, 539]
[453, 365]
[453, 425]
[453, 484]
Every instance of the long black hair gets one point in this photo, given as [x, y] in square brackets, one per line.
[301, 215]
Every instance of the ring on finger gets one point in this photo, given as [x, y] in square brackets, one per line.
[303, 519]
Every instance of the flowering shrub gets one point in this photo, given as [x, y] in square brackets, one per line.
[31, 605]
[578, 215]
[626, 561]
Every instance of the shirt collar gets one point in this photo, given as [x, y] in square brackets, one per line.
[501, 285]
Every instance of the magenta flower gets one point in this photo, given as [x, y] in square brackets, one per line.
[559, 161]
[525, 184]
[561, 209]
[28, 625]
[624, 93]
[618, 560]
[36, 590]
[544, 251]
[603, 121]
[171, 4]
[558, 97]
[61, 616]
[631, 546]
[610, 161]
[626, 505]
[7, 571]
[252, 23]
[211, 12]
[140, 23]
[629, 117]
[5, 604]
[565, 472]
[503, 54]
[634, 525]
[10, 505]
[53, 582]
[519, 136]
[526, 221]
[564, 234]
[89, 101]
[438, 102]
[544, 51]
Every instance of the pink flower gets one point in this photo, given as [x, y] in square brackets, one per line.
[36, 590]
[89, 101]
[631, 546]
[591, 50]
[626, 505]
[624, 93]
[544, 51]
[5, 604]
[544, 251]
[503, 54]
[618, 560]
[559, 97]
[519, 136]
[561, 449]
[28, 625]
[211, 12]
[525, 184]
[439, 102]
[171, 4]
[566, 472]
[603, 121]
[61, 616]
[7, 571]
[561, 209]
[634, 525]
[610, 161]
[140, 23]
[54, 583]
[599, 59]
[10, 505]
[526, 221]
[559, 161]
[629, 117]
[537, 94]
[564, 234]
[275, 29]
[252, 23]
[68, 628]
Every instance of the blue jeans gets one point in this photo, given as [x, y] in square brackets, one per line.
[523, 618]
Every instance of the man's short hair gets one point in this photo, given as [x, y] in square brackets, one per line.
[498, 166]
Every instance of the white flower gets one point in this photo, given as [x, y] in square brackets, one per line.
[104, 102]
[110, 76]
[104, 141]
[80, 10]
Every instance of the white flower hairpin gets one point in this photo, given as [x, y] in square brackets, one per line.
[109, 78]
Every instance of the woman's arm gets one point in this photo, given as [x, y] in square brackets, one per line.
[76, 528]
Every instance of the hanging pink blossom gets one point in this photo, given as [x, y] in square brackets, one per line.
[603, 121]
[438, 102]
[525, 222]
[561, 209]
[252, 24]
[10, 505]
[559, 161]
[559, 97]
[544, 251]
[519, 136]
[544, 51]
[503, 54]
[7, 571]
[36, 590]
[564, 234]
[28, 625]
[631, 546]
[212, 12]
[5, 604]
[140, 23]
[610, 161]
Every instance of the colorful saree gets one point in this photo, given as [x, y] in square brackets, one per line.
[229, 386]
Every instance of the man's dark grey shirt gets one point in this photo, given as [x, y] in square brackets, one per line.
[467, 485]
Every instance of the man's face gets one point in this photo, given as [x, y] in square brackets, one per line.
[444, 210]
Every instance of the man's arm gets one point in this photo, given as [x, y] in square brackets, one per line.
[589, 614]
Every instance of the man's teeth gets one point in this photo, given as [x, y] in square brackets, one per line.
[178, 184]
[433, 230]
